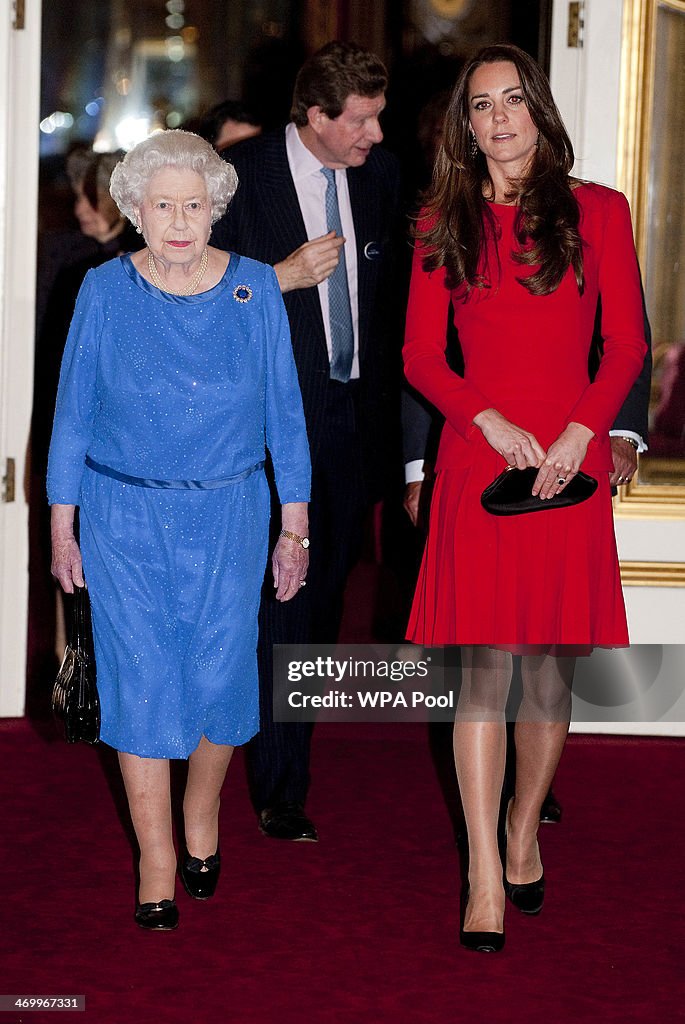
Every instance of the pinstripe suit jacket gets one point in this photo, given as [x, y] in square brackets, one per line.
[264, 222]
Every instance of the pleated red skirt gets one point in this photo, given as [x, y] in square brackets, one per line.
[527, 581]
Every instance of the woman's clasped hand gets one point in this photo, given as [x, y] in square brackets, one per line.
[521, 449]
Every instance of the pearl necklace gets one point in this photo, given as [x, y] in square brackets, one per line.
[157, 281]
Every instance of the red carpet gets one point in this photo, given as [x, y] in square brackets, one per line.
[362, 927]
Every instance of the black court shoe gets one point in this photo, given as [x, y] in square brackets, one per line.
[159, 917]
[482, 942]
[550, 812]
[200, 877]
[479, 942]
[528, 897]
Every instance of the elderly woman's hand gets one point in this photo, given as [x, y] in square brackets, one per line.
[564, 459]
[519, 447]
[290, 562]
[66, 558]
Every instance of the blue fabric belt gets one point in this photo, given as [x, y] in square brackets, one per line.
[184, 485]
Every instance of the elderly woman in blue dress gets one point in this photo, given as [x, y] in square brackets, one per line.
[177, 375]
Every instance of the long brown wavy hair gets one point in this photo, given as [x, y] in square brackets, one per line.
[455, 207]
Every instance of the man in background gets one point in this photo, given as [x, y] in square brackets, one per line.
[319, 201]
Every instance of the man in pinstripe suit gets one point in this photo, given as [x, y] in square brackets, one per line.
[293, 182]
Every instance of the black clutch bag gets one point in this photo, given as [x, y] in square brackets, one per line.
[511, 494]
[75, 701]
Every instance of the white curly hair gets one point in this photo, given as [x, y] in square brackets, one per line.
[178, 149]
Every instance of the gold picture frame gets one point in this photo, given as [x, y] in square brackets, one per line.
[656, 493]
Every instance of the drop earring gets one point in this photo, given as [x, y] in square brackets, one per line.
[473, 149]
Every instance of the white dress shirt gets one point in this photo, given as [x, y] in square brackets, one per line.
[310, 186]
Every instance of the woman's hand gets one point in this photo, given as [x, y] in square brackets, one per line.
[564, 459]
[66, 558]
[290, 562]
[519, 447]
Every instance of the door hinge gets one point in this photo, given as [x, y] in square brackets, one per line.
[8, 481]
[575, 25]
[19, 14]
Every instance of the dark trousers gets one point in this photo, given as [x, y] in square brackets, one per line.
[278, 756]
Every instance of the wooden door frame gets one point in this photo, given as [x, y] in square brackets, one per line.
[20, 50]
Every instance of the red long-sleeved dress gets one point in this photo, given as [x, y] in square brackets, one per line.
[551, 577]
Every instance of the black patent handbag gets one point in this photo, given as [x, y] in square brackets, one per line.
[75, 701]
[511, 493]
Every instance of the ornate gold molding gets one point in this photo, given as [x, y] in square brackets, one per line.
[654, 500]
[450, 8]
[653, 574]
[636, 50]
[649, 497]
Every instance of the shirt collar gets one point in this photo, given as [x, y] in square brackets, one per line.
[302, 161]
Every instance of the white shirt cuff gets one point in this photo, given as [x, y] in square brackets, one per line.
[413, 471]
[642, 447]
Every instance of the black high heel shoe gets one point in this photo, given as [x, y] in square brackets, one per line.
[199, 883]
[479, 942]
[528, 897]
[159, 917]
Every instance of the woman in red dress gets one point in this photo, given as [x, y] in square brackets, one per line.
[523, 252]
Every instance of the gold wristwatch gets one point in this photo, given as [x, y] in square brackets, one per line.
[302, 541]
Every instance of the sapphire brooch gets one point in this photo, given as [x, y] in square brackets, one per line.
[242, 293]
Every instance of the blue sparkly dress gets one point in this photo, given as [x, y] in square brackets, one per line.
[173, 400]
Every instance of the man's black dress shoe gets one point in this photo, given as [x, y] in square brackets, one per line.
[199, 883]
[527, 897]
[550, 812]
[159, 917]
[287, 821]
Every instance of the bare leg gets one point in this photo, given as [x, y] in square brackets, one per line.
[147, 787]
[479, 753]
[540, 734]
[207, 767]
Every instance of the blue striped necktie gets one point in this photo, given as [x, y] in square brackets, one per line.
[339, 312]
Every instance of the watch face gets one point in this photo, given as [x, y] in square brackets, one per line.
[305, 542]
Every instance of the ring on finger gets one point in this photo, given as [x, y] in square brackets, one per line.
[561, 480]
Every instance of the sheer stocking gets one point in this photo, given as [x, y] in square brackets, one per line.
[207, 767]
[479, 752]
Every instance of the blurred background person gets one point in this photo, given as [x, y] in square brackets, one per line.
[227, 123]
[104, 233]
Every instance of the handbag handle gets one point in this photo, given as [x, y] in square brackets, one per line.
[80, 620]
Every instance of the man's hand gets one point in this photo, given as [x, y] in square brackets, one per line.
[412, 500]
[625, 461]
[311, 264]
